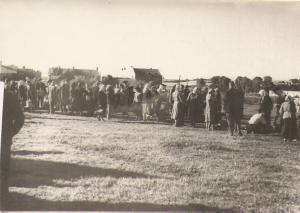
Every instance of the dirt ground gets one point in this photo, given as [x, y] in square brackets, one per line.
[65, 162]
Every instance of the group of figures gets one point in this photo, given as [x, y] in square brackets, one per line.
[180, 103]
[285, 119]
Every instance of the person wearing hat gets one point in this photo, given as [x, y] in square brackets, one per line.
[233, 107]
[288, 113]
[266, 106]
[193, 104]
[51, 97]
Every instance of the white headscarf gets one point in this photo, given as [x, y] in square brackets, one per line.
[146, 88]
[195, 90]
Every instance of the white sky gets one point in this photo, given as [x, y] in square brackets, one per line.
[188, 38]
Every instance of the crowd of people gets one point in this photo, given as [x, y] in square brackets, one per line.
[146, 101]
[179, 103]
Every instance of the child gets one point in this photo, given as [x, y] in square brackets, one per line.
[100, 113]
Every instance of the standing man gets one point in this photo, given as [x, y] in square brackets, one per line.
[266, 106]
[109, 101]
[64, 94]
[12, 122]
[233, 107]
[95, 95]
[51, 97]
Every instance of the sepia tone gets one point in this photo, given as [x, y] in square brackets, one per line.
[150, 105]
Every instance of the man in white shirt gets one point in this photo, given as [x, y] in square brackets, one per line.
[257, 123]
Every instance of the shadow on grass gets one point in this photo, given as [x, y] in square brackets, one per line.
[26, 152]
[84, 118]
[33, 173]
[143, 122]
[27, 203]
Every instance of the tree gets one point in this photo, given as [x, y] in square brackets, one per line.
[268, 83]
[222, 82]
[110, 80]
[244, 83]
[215, 81]
[257, 83]
[294, 81]
[200, 82]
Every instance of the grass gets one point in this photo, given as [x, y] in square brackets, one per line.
[77, 163]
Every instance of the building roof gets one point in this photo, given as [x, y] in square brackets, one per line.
[7, 70]
[146, 71]
[59, 70]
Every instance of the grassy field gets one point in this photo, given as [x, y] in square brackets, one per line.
[77, 163]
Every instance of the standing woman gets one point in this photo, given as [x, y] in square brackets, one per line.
[288, 113]
[72, 96]
[209, 109]
[177, 109]
[193, 105]
[22, 94]
[117, 96]
[41, 92]
[109, 101]
[79, 98]
[171, 101]
[146, 104]
[88, 99]
[102, 99]
[218, 107]
[64, 96]
[51, 97]
[138, 98]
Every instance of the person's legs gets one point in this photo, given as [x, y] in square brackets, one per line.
[177, 123]
[230, 123]
[5, 166]
[293, 129]
[144, 114]
[193, 117]
[51, 106]
[108, 111]
[250, 128]
[268, 118]
[285, 128]
[238, 126]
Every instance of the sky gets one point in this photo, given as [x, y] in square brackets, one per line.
[191, 39]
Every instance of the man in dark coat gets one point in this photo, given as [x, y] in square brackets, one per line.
[12, 122]
[233, 107]
[266, 106]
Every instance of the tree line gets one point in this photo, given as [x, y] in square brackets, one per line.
[248, 85]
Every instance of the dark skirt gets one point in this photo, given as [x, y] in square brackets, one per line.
[289, 128]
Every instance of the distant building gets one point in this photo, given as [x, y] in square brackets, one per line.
[58, 74]
[14, 73]
[195, 82]
[24, 73]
